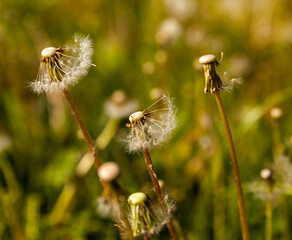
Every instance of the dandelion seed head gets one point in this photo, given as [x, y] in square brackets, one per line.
[276, 112]
[144, 217]
[48, 52]
[266, 173]
[119, 106]
[207, 59]
[108, 171]
[151, 127]
[213, 81]
[278, 180]
[136, 198]
[169, 31]
[62, 67]
[137, 116]
[104, 207]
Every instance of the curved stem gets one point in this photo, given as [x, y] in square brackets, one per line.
[83, 128]
[158, 194]
[240, 198]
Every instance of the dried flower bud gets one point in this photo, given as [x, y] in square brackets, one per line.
[108, 171]
[143, 217]
[151, 127]
[63, 66]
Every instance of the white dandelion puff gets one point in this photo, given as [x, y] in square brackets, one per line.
[151, 127]
[62, 67]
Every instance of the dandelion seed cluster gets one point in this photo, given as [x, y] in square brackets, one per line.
[213, 81]
[151, 127]
[63, 66]
[144, 217]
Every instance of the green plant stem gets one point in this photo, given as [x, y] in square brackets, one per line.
[83, 128]
[159, 194]
[107, 133]
[240, 198]
[269, 215]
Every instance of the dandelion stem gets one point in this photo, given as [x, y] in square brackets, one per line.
[146, 236]
[240, 198]
[83, 128]
[158, 194]
[269, 215]
[123, 217]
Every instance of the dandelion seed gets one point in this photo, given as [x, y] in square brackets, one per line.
[145, 219]
[213, 81]
[62, 67]
[151, 127]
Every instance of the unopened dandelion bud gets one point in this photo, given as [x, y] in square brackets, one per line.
[151, 127]
[213, 82]
[143, 218]
[108, 171]
[62, 67]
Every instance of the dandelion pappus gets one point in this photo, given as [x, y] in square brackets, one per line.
[61, 67]
[152, 126]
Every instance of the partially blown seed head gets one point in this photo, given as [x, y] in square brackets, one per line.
[143, 217]
[63, 66]
[213, 82]
[151, 127]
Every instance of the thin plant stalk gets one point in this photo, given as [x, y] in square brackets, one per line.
[123, 215]
[269, 216]
[94, 153]
[159, 194]
[146, 236]
[83, 128]
[240, 197]
[179, 229]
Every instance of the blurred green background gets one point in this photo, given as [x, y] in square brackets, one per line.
[139, 46]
